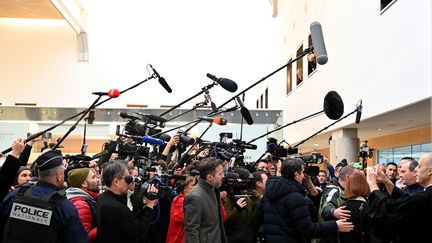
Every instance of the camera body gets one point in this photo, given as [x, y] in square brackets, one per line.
[315, 158]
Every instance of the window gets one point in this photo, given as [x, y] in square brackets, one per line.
[289, 78]
[395, 154]
[299, 70]
[266, 98]
[261, 101]
[311, 58]
[385, 4]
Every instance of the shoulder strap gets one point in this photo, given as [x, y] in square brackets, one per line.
[92, 210]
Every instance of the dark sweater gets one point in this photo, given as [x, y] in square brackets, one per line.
[116, 223]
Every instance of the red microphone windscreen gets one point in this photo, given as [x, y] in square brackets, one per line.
[220, 121]
[113, 93]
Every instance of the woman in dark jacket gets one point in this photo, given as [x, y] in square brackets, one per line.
[356, 192]
[283, 210]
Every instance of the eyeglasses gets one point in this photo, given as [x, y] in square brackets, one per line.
[128, 179]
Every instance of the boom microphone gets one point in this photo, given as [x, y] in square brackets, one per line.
[359, 112]
[227, 84]
[112, 93]
[218, 120]
[333, 105]
[161, 80]
[153, 117]
[244, 111]
[318, 43]
[129, 116]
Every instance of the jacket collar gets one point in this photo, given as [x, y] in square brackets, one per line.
[207, 186]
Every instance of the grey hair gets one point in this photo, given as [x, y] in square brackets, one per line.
[50, 172]
[112, 170]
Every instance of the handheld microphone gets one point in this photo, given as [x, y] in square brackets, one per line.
[359, 112]
[218, 120]
[161, 80]
[227, 84]
[112, 93]
[244, 111]
[318, 43]
[151, 140]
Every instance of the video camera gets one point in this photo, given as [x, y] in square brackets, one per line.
[238, 183]
[314, 158]
[77, 161]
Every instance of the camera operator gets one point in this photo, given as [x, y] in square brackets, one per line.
[40, 213]
[82, 192]
[115, 222]
[283, 211]
[241, 205]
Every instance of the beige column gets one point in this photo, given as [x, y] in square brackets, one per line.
[344, 144]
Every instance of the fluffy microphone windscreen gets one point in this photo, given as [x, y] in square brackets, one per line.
[333, 105]
[228, 84]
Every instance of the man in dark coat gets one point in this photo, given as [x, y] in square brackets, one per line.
[283, 210]
[399, 214]
[115, 221]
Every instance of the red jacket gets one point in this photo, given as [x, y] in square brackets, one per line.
[84, 210]
[175, 228]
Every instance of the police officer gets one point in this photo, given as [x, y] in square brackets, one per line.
[41, 213]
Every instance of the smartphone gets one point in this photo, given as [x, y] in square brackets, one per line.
[358, 165]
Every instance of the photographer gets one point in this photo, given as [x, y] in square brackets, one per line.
[115, 221]
[240, 205]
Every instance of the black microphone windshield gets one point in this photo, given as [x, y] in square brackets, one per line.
[244, 111]
[318, 43]
[359, 112]
[333, 105]
[246, 115]
[228, 84]
[163, 82]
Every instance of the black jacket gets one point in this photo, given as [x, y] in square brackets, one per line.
[116, 223]
[8, 173]
[406, 217]
[284, 214]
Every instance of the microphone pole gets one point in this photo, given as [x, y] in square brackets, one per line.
[279, 128]
[325, 128]
[175, 128]
[76, 115]
[192, 146]
[92, 106]
[192, 109]
[302, 54]
[203, 90]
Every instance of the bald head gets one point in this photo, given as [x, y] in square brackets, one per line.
[424, 169]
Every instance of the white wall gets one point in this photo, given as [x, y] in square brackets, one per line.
[383, 59]
[183, 40]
